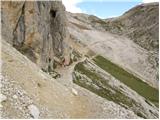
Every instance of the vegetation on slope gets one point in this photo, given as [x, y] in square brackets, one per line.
[100, 86]
[129, 79]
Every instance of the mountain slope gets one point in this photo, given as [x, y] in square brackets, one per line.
[102, 37]
[96, 76]
[129, 62]
[80, 66]
[140, 23]
[25, 85]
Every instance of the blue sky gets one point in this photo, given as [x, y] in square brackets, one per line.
[102, 8]
[106, 9]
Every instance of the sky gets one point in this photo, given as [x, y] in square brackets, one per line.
[102, 8]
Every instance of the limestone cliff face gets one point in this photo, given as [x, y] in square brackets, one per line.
[37, 29]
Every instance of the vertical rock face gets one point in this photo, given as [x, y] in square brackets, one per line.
[37, 29]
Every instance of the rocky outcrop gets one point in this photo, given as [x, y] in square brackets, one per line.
[37, 29]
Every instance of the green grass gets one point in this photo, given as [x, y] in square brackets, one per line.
[130, 80]
[105, 90]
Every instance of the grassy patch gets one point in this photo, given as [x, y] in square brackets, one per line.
[103, 89]
[130, 80]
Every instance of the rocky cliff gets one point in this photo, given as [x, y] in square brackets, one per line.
[37, 29]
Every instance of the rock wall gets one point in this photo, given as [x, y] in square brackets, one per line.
[37, 29]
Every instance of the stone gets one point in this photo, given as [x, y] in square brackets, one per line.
[2, 97]
[15, 96]
[1, 105]
[34, 111]
[74, 91]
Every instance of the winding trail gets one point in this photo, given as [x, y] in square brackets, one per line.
[66, 73]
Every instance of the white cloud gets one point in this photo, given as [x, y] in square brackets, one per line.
[71, 6]
[148, 1]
